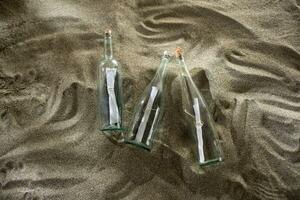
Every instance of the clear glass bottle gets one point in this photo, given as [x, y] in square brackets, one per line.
[198, 118]
[109, 90]
[149, 110]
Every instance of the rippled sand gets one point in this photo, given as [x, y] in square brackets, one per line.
[243, 55]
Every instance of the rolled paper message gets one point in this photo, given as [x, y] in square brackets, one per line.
[114, 116]
[199, 130]
[152, 127]
[143, 124]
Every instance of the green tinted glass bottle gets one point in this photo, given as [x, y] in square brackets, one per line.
[149, 110]
[198, 118]
[109, 90]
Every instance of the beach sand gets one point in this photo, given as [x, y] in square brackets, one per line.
[243, 55]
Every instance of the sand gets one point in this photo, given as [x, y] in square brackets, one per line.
[243, 55]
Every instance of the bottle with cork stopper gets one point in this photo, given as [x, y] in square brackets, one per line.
[109, 90]
[197, 117]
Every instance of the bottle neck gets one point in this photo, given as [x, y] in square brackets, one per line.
[162, 67]
[108, 47]
[183, 68]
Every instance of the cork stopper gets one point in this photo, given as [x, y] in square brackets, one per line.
[178, 53]
[108, 33]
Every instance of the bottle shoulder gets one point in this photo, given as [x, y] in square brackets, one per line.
[109, 63]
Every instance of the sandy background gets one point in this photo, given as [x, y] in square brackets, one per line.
[243, 55]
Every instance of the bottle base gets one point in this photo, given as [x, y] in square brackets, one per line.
[211, 162]
[138, 144]
[113, 128]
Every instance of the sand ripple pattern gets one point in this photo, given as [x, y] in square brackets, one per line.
[50, 148]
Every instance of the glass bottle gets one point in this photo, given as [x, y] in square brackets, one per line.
[149, 109]
[198, 118]
[109, 90]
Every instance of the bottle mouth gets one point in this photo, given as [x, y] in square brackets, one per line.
[107, 33]
[166, 55]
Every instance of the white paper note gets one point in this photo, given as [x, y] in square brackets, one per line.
[114, 116]
[142, 127]
[199, 129]
[152, 127]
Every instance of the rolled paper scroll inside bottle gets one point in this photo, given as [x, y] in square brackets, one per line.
[114, 117]
[152, 126]
[199, 124]
[145, 117]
